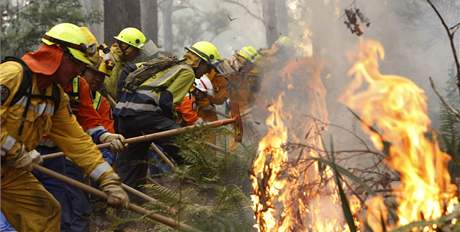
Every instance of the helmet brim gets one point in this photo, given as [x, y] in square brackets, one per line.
[79, 56]
[74, 52]
[127, 42]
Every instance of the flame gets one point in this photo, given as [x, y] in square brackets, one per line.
[397, 108]
[268, 164]
[290, 191]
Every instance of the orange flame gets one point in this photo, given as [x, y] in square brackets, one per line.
[290, 193]
[268, 164]
[397, 107]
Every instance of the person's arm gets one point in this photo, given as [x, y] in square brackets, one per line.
[88, 118]
[92, 122]
[10, 79]
[181, 85]
[220, 90]
[78, 146]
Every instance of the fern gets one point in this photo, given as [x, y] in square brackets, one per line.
[450, 127]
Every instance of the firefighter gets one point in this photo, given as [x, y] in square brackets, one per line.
[127, 47]
[95, 77]
[92, 109]
[74, 202]
[206, 104]
[148, 108]
[33, 104]
[243, 71]
[188, 110]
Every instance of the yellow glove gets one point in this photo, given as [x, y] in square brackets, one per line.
[116, 141]
[116, 196]
[26, 159]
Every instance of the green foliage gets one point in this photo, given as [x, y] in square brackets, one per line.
[450, 127]
[210, 191]
[22, 26]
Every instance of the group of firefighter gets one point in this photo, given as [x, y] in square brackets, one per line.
[72, 93]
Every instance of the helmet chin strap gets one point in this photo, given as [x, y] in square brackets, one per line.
[122, 49]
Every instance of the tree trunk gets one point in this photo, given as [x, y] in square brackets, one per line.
[269, 14]
[149, 19]
[119, 14]
[167, 13]
[282, 18]
[97, 28]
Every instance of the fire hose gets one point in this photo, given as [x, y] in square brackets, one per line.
[133, 207]
[163, 134]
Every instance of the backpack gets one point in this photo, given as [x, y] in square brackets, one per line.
[25, 89]
[147, 70]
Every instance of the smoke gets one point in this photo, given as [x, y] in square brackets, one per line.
[415, 43]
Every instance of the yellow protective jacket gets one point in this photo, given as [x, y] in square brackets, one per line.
[113, 63]
[177, 79]
[60, 126]
[111, 82]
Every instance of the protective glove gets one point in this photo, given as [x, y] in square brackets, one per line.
[26, 159]
[200, 122]
[116, 141]
[116, 196]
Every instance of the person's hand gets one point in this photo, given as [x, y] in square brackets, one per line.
[116, 196]
[117, 141]
[27, 159]
[111, 185]
[200, 122]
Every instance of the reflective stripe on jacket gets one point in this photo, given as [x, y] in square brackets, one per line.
[101, 104]
[82, 105]
[177, 80]
[60, 126]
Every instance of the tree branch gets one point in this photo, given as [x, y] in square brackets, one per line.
[450, 35]
[235, 2]
[454, 28]
[444, 102]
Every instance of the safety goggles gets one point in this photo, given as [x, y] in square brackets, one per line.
[88, 50]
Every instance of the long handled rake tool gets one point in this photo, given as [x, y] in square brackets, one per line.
[236, 121]
[133, 207]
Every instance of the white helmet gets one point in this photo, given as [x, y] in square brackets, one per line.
[204, 85]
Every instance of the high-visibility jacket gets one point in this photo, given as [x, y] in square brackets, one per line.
[115, 65]
[40, 119]
[81, 101]
[187, 111]
[177, 80]
[102, 106]
[243, 85]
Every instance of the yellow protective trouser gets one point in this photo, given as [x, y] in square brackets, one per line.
[26, 203]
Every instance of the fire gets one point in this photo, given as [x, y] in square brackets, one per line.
[397, 108]
[291, 192]
[269, 162]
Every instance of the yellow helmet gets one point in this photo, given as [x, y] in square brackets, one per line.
[100, 68]
[70, 36]
[103, 69]
[206, 51]
[93, 53]
[283, 41]
[249, 53]
[132, 36]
